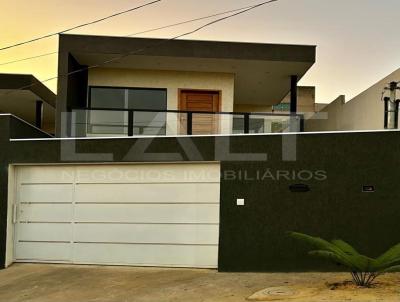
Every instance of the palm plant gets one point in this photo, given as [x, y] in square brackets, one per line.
[363, 269]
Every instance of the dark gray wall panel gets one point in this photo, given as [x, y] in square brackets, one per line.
[20, 129]
[4, 134]
[72, 88]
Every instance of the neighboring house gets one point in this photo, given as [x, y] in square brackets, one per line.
[366, 111]
[184, 175]
[27, 98]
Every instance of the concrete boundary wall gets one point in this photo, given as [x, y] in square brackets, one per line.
[253, 238]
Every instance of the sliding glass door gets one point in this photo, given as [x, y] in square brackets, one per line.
[111, 118]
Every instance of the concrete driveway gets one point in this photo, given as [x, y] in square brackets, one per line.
[61, 283]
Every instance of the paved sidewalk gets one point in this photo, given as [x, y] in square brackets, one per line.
[62, 283]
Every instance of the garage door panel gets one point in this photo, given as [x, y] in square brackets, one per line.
[148, 193]
[153, 173]
[139, 214]
[55, 232]
[46, 174]
[150, 213]
[138, 233]
[48, 193]
[41, 251]
[45, 212]
[147, 255]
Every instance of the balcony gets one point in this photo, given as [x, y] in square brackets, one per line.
[106, 122]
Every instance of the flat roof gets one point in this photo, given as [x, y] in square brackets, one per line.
[189, 48]
[13, 82]
[262, 71]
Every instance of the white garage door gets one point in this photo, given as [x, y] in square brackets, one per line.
[146, 215]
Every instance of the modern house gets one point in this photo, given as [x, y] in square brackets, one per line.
[366, 111]
[164, 81]
[167, 154]
[29, 99]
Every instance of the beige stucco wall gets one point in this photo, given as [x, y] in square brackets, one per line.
[364, 112]
[172, 81]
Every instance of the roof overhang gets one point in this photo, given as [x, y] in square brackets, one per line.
[22, 102]
[29, 83]
[262, 71]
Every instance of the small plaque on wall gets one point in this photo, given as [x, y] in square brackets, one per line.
[299, 188]
[368, 189]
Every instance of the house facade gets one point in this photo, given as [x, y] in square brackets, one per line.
[157, 162]
[161, 82]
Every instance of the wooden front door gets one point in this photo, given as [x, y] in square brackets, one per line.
[200, 101]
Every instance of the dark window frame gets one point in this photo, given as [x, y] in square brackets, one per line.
[90, 87]
[89, 97]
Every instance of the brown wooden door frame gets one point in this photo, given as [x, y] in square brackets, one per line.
[214, 119]
[181, 92]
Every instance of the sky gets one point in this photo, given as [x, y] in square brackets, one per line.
[358, 41]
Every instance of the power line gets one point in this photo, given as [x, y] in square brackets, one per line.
[224, 18]
[189, 21]
[80, 26]
[137, 51]
[138, 33]
[30, 58]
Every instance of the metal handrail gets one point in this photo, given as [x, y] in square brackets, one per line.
[189, 129]
[186, 111]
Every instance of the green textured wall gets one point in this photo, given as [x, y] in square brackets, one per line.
[253, 237]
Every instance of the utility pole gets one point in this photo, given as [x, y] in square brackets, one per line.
[392, 107]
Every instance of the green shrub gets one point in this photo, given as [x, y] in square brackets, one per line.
[363, 269]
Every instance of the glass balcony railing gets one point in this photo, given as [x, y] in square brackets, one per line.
[98, 122]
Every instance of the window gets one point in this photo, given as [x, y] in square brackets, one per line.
[115, 120]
